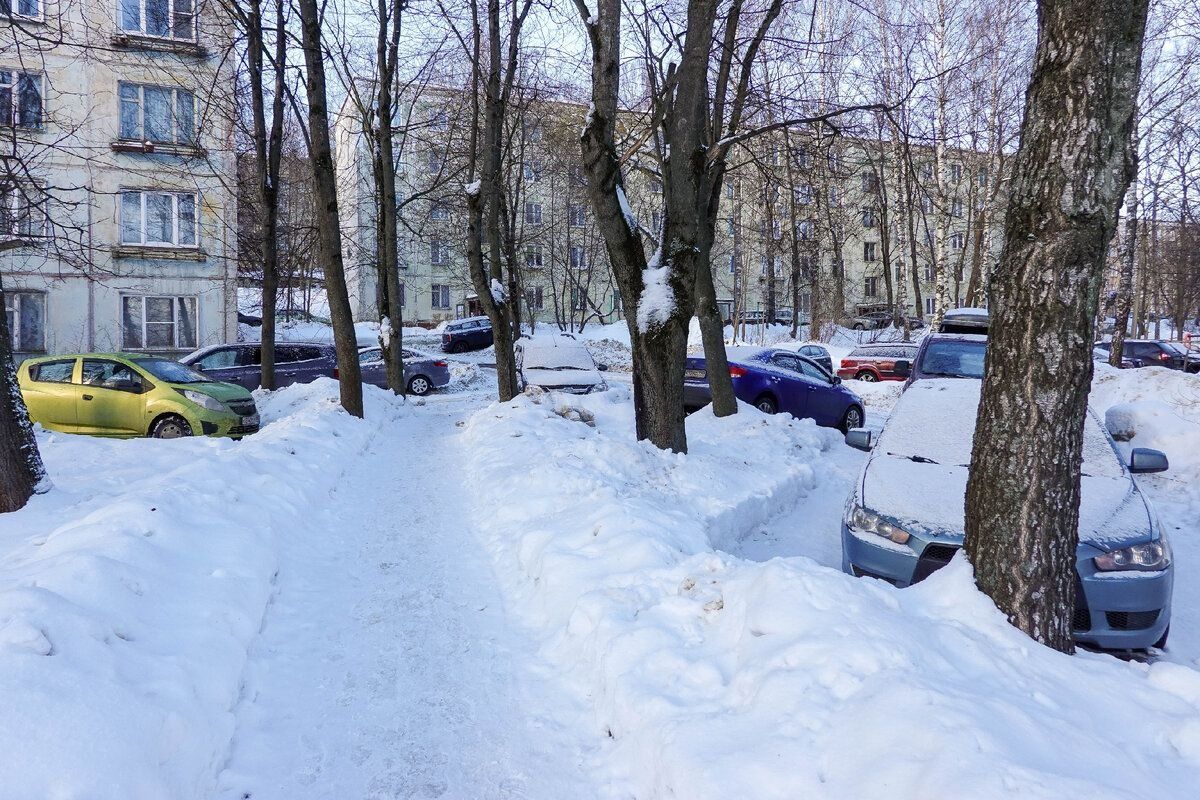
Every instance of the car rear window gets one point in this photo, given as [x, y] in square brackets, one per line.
[53, 371]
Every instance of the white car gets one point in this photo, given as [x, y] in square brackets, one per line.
[560, 363]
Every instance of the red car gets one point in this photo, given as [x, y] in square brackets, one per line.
[876, 362]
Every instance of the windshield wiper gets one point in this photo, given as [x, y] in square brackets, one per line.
[918, 459]
[947, 374]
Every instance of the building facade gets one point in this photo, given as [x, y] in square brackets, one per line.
[117, 196]
[837, 224]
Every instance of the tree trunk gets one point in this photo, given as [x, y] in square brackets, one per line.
[1125, 284]
[386, 55]
[1070, 172]
[329, 236]
[712, 334]
[21, 470]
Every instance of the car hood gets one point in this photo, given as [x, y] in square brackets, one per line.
[218, 389]
[917, 473]
[562, 377]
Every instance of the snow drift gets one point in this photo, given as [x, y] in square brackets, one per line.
[129, 596]
[721, 678]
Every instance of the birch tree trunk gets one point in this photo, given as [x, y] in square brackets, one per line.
[387, 54]
[325, 212]
[1125, 283]
[1070, 172]
[21, 470]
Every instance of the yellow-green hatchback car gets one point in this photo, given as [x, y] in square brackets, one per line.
[124, 394]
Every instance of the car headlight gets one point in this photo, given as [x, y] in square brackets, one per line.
[598, 387]
[866, 520]
[206, 401]
[1148, 557]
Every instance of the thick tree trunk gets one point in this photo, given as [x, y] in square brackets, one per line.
[329, 236]
[712, 334]
[21, 470]
[1070, 172]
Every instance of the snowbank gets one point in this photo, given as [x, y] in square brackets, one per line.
[129, 595]
[717, 677]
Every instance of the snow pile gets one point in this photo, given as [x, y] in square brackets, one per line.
[130, 594]
[717, 677]
[657, 302]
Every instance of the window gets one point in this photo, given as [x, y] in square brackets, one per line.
[981, 177]
[158, 218]
[871, 287]
[403, 296]
[656, 220]
[776, 229]
[927, 171]
[730, 227]
[578, 299]
[578, 257]
[926, 203]
[575, 175]
[157, 114]
[803, 194]
[835, 198]
[655, 186]
[929, 273]
[158, 323]
[956, 208]
[729, 190]
[576, 215]
[533, 298]
[433, 161]
[111, 375]
[956, 172]
[439, 211]
[22, 8]
[803, 158]
[956, 241]
[533, 256]
[53, 371]
[439, 252]
[869, 251]
[616, 300]
[22, 212]
[834, 161]
[20, 99]
[868, 217]
[868, 181]
[770, 194]
[441, 296]
[734, 262]
[532, 171]
[928, 305]
[167, 19]
[533, 213]
[804, 230]
[26, 313]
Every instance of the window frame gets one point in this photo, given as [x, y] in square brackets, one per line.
[533, 213]
[175, 218]
[175, 92]
[440, 296]
[13, 118]
[439, 252]
[13, 10]
[14, 298]
[172, 17]
[175, 322]
[15, 201]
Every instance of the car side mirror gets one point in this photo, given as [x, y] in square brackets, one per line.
[859, 439]
[902, 368]
[835, 380]
[1143, 460]
[602, 367]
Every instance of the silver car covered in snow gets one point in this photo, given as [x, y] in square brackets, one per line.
[561, 363]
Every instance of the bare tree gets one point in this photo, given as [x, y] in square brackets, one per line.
[1070, 172]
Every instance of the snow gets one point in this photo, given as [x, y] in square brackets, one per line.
[657, 303]
[474, 188]
[713, 676]
[499, 293]
[626, 210]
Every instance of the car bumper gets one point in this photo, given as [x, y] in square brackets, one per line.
[1120, 611]
[218, 424]
[696, 395]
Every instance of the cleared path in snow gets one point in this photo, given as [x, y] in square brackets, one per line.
[387, 667]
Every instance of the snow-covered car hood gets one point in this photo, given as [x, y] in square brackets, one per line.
[917, 473]
[553, 378]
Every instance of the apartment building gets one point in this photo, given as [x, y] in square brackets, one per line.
[798, 223]
[117, 192]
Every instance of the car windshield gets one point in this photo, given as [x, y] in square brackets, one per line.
[953, 358]
[558, 358]
[171, 371]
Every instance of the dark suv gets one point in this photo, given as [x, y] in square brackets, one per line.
[295, 362]
[472, 333]
[1155, 353]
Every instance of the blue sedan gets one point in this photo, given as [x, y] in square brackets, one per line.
[775, 380]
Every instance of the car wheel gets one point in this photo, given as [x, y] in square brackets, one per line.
[866, 375]
[852, 419]
[171, 426]
[419, 386]
[858, 326]
[1161, 644]
[766, 404]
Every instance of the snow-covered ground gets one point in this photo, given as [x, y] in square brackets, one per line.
[461, 599]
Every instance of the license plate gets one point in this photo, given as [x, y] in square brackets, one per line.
[694, 374]
[251, 420]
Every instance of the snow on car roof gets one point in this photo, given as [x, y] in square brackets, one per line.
[966, 311]
[934, 421]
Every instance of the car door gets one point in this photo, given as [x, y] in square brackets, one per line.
[51, 393]
[374, 370]
[223, 364]
[790, 384]
[826, 404]
[288, 366]
[111, 399]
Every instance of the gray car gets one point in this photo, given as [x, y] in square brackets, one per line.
[295, 362]
[422, 373]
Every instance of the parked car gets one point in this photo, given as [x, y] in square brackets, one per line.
[289, 315]
[876, 362]
[561, 363]
[775, 380]
[870, 321]
[126, 395]
[1102, 353]
[471, 333]
[1156, 353]
[965, 320]
[295, 362]
[752, 318]
[249, 319]
[817, 353]
[904, 518]
[422, 373]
